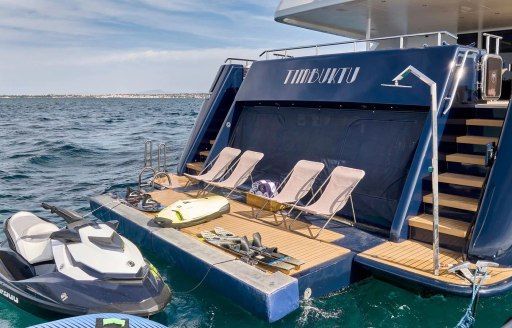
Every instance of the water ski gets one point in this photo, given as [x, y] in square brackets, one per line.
[257, 246]
[241, 247]
[185, 213]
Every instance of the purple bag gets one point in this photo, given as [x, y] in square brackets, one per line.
[265, 188]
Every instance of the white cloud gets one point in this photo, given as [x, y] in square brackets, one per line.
[103, 46]
[75, 71]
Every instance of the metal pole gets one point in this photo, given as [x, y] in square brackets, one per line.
[435, 170]
[369, 29]
[435, 178]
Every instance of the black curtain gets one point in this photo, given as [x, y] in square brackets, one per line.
[382, 143]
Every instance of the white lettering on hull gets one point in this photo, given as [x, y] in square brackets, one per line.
[9, 296]
[331, 75]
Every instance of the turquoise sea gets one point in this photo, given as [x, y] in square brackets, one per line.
[64, 151]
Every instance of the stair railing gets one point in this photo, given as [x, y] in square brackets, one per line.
[458, 77]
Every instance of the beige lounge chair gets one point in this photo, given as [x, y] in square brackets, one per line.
[218, 166]
[240, 173]
[294, 186]
[337, 190]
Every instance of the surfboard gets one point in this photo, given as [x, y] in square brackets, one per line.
[185, 213]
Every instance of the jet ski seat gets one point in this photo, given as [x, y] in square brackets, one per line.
[30, 237]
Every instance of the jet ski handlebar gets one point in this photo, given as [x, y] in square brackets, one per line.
[68, 215]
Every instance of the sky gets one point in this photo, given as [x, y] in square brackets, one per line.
[133, 46]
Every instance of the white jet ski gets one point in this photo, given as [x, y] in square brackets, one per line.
[86, 267]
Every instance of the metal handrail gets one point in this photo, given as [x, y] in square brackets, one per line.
[488, 38]
[148, 165]
[355, 42]
[247, 61]
[458, 78]
[161, 167]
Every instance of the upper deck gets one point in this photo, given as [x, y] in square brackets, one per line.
[378, 18]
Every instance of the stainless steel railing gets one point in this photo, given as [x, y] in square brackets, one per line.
[284, 52]
[243, 60]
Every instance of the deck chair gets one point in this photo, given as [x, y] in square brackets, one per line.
[335, 193]
[218, 166]
[295, 185]
[241, 171]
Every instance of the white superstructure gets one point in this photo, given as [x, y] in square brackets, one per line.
[378, 18]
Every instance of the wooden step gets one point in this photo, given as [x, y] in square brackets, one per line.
[446, 226]
[477, 122]
[501, 104]
[204, 153]
[454, 201]
[212, 141]
[461, 179]
[475, 140]
[465, 158]
[484, 122]
[195, 166]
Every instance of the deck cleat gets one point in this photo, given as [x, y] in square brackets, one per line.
[482, 266]
[462, 270]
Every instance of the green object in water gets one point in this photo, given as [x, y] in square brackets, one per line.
[109, 322]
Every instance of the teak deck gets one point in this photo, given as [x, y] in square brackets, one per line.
[239, 221]
[410, 256]
[417, 258]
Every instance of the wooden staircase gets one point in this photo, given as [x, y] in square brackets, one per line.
[196, 167]
[461, 177]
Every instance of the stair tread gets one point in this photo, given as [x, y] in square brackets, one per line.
[494, 105]
[212, 141]
[204, 153]
[454, 201]
[446, 226]
[196, 166]
[461, 179]
[484, 122]
[465, 158]
[475, 140]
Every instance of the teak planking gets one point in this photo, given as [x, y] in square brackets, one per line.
[465, 158]
[446, 226]
[461, 179]
[454, 201]
[239, 221]
[417, 257]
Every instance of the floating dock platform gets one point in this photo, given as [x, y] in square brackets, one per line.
[269, 295]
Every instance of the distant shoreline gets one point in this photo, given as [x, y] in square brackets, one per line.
[118, 95]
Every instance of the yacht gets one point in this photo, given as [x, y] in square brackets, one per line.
[416, 96]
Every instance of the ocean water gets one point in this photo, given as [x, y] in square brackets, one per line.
[64, 151]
